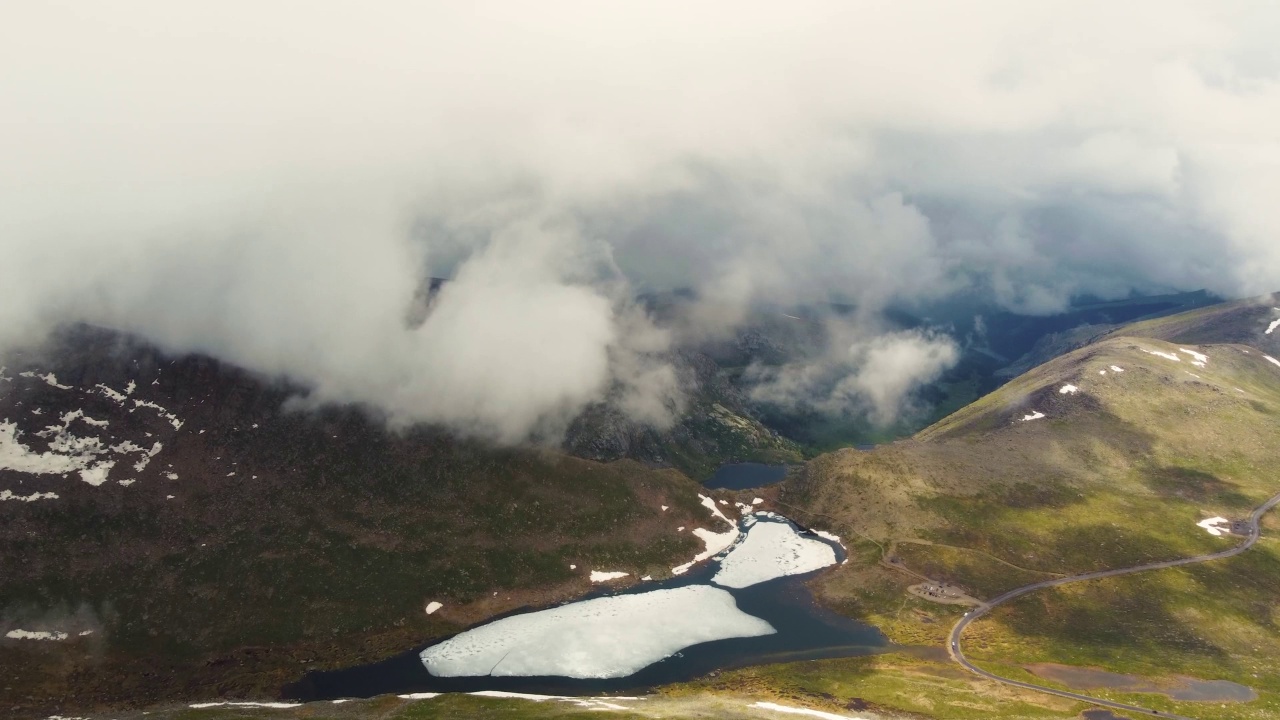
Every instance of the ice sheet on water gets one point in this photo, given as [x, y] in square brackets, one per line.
[772, 550]
[607, 637]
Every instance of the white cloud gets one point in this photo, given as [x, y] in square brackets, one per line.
[271, 186]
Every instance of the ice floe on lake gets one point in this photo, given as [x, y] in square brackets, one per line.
[772, 550]
[608, 637]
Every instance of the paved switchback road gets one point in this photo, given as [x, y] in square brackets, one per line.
[958, 630]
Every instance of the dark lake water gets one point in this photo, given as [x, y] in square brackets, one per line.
[745, 476]
[805, 631]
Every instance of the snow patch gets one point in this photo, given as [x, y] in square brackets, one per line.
[51, 380]
[433, 606]
[172, 475]
[35, 635]
[1116, 368]
[273, 705]
[584, 702]
[1199, 358]
[664, 508]
[1270, 328]
[1165, 355]
[1272, 360]
[598, 576]
[8, 495]
[110, 393]
[714, 543]
[1216, 526]
[802, 711]
[608, 637]
[1068, 390]
[97, 474]
[772, 550]
[1033, 415]
[173, 419]
[66, 453]
[417, 696]
[756, 501]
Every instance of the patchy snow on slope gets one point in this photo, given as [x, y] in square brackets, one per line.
[8, 495]
[230, 703]
[35, 635]
[417, 696]
[1272, 360]
[598, 576]
[97, 474]
[1033, 415]
[802, 711]
[433, 606]
[601, 703]
[714, 542]
[1199, 358]
[52, 380]
[173, 419]
[111, 394]
[1165, 355]
[1216, 526]
[1116, 368]
[19, 458]
[1068, 389]
[608, 637]
[772, 550]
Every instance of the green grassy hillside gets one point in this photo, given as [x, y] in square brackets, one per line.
[1111, 475]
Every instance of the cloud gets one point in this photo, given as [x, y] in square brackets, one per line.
[272, 183]
[859, 370]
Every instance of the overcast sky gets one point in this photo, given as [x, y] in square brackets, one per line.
[271, 181]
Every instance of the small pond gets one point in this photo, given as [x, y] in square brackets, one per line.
[804, 631]
[746, 476]
[1179, 688]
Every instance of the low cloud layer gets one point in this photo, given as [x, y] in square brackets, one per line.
[272, 183]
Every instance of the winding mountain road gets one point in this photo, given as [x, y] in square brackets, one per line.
[958, 655]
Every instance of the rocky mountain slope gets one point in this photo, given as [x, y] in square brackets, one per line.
[169, 528]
